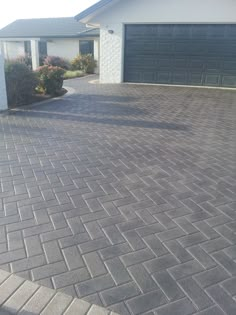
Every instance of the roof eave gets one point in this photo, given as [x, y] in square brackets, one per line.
[26, 38]
[86, 15]
[18, 39]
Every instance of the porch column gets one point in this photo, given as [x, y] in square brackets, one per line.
[3, 92]
[96, 53]
[35, 53]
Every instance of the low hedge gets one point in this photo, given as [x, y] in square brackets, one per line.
[20, 82]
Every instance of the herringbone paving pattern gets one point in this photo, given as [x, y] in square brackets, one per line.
[124, 195]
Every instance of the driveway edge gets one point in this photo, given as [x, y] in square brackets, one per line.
[21, 296]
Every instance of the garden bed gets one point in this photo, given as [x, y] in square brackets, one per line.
[37, 98]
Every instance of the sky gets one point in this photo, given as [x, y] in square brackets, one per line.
[12, 10]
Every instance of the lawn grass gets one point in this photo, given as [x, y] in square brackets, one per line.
[73, 74]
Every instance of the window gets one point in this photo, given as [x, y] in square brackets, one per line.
[27, 46]
[43, 49]
[86, 47]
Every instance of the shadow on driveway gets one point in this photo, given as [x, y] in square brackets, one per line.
[106, 121]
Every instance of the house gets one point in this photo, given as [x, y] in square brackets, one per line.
[62, 37]
[183, 42]
[3, 94]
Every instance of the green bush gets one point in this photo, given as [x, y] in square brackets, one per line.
[20, 82]
[57, 62]
[85, 63]
[50, 79]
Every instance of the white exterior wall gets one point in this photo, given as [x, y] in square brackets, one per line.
[3, 96]
[153, 12]
[111, 54]
[96, 48]
[65, 48]
[69, 48]
[13, 50]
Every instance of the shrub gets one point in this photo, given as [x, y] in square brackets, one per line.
[85, 63]
[26, 59]
[20, 82]
[50, 79]
[57, 62]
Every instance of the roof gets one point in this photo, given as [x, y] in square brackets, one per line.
[96, 7]
[49, 27]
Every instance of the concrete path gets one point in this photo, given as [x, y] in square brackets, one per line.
[124, 196]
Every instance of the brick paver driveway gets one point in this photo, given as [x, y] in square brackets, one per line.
[124, 195]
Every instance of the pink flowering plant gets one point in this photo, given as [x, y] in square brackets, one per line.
[50, 79]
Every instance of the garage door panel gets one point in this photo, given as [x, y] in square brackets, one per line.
[230, 31]
[212, 79]
[180, 63]
[213, 65]
[179, 77]
[165, 46]
[229, 66]
[197, 63]
[181, 54]
[182, 31]
[164, 76]
[216, 31]
[190, 47]
[199, 31]
[229, 81]
[149, 76]
[165, 31]
[195, 78]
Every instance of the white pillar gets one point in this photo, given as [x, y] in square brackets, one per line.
[3, 92]
[96, 53]
[35, 53]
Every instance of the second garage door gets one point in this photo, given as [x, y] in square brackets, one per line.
[181, 54]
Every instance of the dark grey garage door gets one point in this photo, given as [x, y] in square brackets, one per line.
[181, 54]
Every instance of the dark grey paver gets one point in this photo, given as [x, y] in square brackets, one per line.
[52, 252]
[118, 271]
[71, 277]
[48, 270]
[72, 257]
[224, 300]
[33, 246]
[94, 264]
[118, 294]
[146, 302]
[215, 310]
[230, 286]
[195, 293]
[95, 285]
[168, 285]
[211, 277]
[161, 263]
[142, 278]
[186, 269]
[181, 307]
